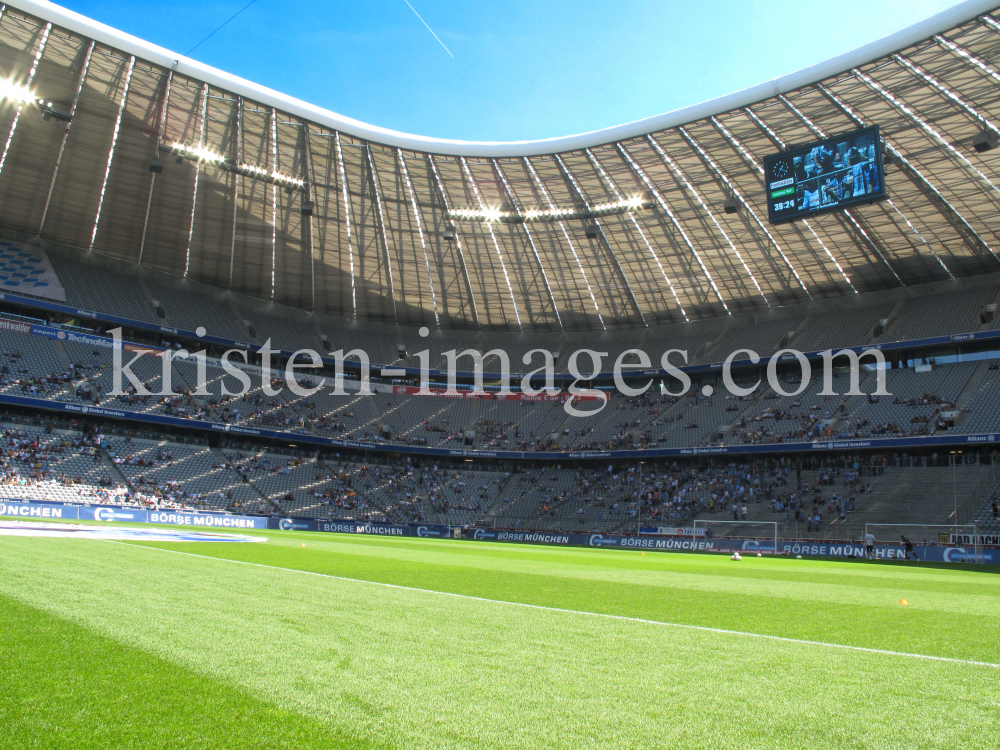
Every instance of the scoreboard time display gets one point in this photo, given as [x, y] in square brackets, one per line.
[827, 175]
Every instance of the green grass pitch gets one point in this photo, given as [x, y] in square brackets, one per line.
[108, 644]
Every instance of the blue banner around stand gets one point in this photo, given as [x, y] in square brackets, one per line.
[39, 511]
[108, 513]
[113, 513]
[930, 553]
[357, 527]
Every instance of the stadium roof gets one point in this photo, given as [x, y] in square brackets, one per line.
[620, 228]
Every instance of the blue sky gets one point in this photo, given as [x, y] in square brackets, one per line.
[521, 70]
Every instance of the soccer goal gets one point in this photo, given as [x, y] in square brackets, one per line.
[757, 536]
[924, 535]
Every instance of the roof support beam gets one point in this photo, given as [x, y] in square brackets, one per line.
[274, 198]
[607, 245]
[579, 264]
[679, 174]
[921, 238]
[347, 222]
[307, 217]
[950, 213]
[649, 248]
[927, 128]
[967, 56]
[951, 95]
[493, 237]
[160, 131]
[990, 21]
[381, 225]
[396, 201]
[31, 76]
[197, 174]
[531, 240]
[870, 238]
[111, 152]
[458, 240]
[62, 146]
[420, 231]
[677, 225]
[765, 128]
[237, 185]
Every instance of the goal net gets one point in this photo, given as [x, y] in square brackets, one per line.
[753, 536]
[962, 538]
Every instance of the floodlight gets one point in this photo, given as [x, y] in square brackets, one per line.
[49, 113]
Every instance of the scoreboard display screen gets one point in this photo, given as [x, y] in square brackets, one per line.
[827, 175]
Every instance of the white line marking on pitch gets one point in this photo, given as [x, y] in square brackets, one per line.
[624, 618]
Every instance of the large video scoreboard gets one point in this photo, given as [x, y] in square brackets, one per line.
[827, 175]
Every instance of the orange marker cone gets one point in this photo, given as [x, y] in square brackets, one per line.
[903, 601]
[304, 544]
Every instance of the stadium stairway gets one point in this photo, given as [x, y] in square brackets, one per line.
[560, 432]
[734, 424]
[492, 512]
[178, 379]
[797, 331]
[380, 417]
[284, 396]
[62, 354]
[704, 353]
[113, 471]
[866, 385]
[893, 318]
[492, 515]
[67, 363]
[971, 387]
[470, 423]
[230, 302]
[146, 295]
[996, 315]
[224, 459]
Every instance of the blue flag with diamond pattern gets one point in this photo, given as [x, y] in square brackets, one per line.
[27, 270]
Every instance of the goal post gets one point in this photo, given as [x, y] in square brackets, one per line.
[923, 535]
[757, 536]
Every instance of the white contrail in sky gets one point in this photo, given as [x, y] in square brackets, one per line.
[428, 27]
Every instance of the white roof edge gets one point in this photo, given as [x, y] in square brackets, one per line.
[79, 24]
